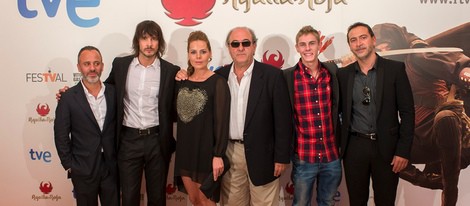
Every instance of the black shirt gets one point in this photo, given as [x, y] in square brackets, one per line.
[364, 115]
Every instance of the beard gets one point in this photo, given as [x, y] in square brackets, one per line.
[92, 80]
[147, 53]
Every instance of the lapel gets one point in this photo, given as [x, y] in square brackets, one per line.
[224, 71]
[82, 101]
[163, 79]
[256, 87]
[122, 77]
[109, 107]
[290, 83]
[379, 84]
[349, 93]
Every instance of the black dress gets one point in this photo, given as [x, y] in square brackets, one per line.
[203, 110]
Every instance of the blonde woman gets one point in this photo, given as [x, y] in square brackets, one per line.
[203, 108]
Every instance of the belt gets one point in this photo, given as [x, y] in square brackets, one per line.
[240, 141]
[142, 132]
[371, 136]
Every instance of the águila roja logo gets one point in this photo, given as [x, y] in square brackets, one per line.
[188, 10]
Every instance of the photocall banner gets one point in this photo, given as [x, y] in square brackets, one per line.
[40, 41]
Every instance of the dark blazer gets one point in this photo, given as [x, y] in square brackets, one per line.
[393, 97]
[77, 135]
[166, 111]
[268, 122]
[332, 69]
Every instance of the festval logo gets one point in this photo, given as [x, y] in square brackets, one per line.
[47, 77]
[276, 60]
[188, 10]
[45, 188]
[43, 110]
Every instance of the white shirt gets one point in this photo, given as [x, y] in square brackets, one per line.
[239, 101]
[141, 97]
[97, 105]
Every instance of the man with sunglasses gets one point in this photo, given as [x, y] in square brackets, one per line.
[260, 125]
[314, 96]
[377, 120]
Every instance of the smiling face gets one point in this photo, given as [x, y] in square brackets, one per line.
[199, 54]
[361, 43]
[241, 47]
[90, 65]
[308, 46]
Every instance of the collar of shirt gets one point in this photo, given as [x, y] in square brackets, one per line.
[246, 73]
[305, 72]
[88, 94]
[136, 63]
[358, 68]
[97, 105]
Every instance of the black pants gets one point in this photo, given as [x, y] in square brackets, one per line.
[363, 161]
[138, 154]
[103, 183]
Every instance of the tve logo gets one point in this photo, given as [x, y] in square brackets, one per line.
[52, 6]
[40, 155]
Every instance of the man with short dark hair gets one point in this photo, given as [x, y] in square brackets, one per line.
[85, 134]
[377, 120]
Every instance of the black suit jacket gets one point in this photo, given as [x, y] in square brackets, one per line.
[394, 99]
[332, 69]
[268, 122]
[77, 135]
[166, 111]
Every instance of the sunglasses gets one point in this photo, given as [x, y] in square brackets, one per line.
[236, 44]
[366, 92]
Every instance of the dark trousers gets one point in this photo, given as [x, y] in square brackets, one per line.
[103, 183]
[363, 161]
[138, 154]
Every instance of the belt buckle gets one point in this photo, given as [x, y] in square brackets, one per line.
[371, 136]
[144, 131]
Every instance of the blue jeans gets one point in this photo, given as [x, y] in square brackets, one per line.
[328, 176]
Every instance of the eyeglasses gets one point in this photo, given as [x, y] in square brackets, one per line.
[236, 44]
[366, 92]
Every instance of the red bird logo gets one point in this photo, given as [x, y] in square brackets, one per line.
[272, 59]
[170, 189]
[290, 188]
[188, 10]
[43, 110]
[45, 188]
